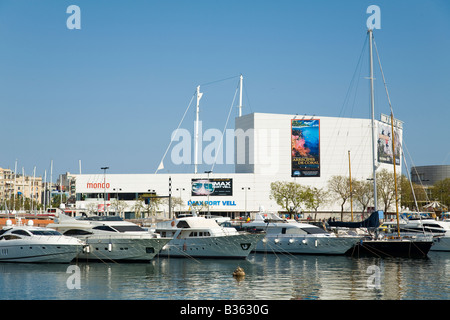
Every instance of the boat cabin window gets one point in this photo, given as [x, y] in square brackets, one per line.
[432, 227]
[21, 232]
[76, 232]
[167, 234]
[129, 228]
[10, 237]
[45, 232]
[104, 228]
[182, 224]
[199, 234]
[314, 230]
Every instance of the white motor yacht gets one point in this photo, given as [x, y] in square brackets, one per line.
[283, 236]
[438, 229]
[27, 243]
[111, 238]
[199, 237]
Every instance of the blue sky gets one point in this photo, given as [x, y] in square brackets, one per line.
[111, 93]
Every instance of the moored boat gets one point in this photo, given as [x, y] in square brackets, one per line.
[438, 229]
[293, 237]
[27, 243]
[199, 237]
[111, 238]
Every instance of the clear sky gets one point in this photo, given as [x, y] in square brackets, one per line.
[112, 92]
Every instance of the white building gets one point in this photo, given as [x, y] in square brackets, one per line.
[268, 147]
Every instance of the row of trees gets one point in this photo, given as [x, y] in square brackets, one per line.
[19, 202]
[143, 207]
[292, 196]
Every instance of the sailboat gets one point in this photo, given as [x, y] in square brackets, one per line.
[379, 245]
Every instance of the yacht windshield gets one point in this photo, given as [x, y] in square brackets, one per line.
[104, 228]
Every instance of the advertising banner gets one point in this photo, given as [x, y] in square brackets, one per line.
[305, 148]
[384, 148]
[212, 187]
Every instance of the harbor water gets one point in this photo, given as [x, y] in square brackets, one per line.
[267, 277]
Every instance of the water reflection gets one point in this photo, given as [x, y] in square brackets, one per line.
[272, 277]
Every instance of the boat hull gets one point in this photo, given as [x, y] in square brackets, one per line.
[391, 248]
[322, 245]
[441, 244]
[39, 252]
[236, 246]
[121, 248]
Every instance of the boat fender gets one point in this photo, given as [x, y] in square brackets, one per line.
[172, 223]
[239, 272]
[184, 246]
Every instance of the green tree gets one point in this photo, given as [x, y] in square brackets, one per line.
[363, 193]
[315, 197]
[339, 186]
[386, 188]
[409, 196]
[288, 195]
[139, 208]
[56, 200]
[441, 192]
[153, 202]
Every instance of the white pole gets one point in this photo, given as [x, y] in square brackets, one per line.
[79, 164]
[45, 190]
[14, 188]
[23, 188]
[32, 190]
[51, 176]
[196, 134]
[374, 139]
[241, 84]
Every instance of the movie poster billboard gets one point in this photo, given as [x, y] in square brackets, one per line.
[384, 145]
[212, 187]
[305, 148]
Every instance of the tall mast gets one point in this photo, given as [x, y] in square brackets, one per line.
[350, 182]
[240, 94]
[14, 188]
[395, 174]
[196, 134]
[374, 141]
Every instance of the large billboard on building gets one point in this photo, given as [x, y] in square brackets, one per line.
[212, 187]
[305, 148]
[385, 143]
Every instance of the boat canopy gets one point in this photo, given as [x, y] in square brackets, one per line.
[372, 222]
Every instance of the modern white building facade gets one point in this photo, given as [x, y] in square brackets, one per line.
[268, 147]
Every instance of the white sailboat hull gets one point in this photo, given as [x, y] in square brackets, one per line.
[319, 245]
